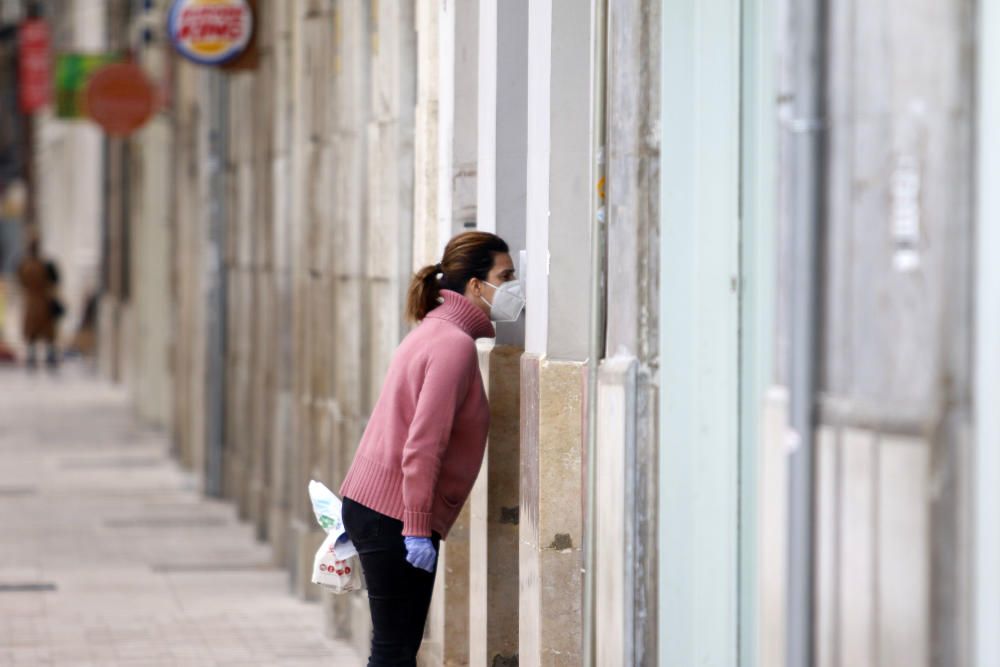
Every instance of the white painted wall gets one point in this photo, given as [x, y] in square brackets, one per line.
[986, 464]
[560, 177]
[763, 409]
[427, 145]
[445, 126]
[465, 117]
[486, 218]
[459, 75]
[571, 179]
[537, 195]
[503, 143]
[699, 335]
[152, 336]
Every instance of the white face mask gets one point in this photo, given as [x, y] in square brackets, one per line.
[508, 301]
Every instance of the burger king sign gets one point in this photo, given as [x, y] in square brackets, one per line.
[210, 32]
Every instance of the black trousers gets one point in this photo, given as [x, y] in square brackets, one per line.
[398, 593]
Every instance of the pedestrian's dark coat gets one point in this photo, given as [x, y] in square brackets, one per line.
[39, 322]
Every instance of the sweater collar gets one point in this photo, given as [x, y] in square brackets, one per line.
[466, 316]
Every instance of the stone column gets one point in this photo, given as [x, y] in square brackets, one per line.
[551, 521]
[559, 182]
[426, 241]
[151, 252]
[276, 43]
[308, 534]
[264, 399]
[500, 189]
[240, 302]
[348, 104]
[495, 518]
[459, 71]
[191, 238]
[627, 434]
[390, 182]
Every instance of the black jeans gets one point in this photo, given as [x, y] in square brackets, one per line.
[398, 593]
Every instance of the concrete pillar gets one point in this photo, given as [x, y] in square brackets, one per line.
[191, 240]
[390, 182]
[264, 397]
[500, 190]
[240, 301]
[699, 336]
[148, 247]
[503, 120]
[252, 325]
[627, 433]
[459, 70]
[315, 303]
[427, 155]
[559, 181]
[559, 178]
[348, 616]
[151, 284]
[495, 518]
[110, 332]
[552, 405]
[151, 251]
[308, 535]
[478, 512]
[983, 647]
[276, 43]
[615, 520]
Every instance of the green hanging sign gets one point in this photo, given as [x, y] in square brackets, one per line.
[73, 71]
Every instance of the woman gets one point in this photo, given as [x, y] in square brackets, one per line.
[424, 444]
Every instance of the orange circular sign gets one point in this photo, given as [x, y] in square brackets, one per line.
[120, 98]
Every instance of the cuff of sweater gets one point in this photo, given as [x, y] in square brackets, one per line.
[417, 524]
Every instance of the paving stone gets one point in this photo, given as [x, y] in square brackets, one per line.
[112, 557]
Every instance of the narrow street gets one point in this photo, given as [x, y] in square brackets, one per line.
[109, 555]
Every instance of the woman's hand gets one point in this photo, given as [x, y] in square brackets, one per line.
[420, 552]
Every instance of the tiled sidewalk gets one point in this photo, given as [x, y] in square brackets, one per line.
[109, 555]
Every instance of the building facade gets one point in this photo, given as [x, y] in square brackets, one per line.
[745, 420]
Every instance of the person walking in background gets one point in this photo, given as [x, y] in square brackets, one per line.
[424, 445]
[42, 309]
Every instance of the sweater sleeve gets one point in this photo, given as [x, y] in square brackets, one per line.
[445, 384]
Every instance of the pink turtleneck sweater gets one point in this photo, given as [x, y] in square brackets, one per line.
[424, 444]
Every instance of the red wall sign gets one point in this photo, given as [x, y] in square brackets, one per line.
[35, 66]
[211, 32]
[120, 98]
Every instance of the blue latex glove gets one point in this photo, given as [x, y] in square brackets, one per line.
[420, 552]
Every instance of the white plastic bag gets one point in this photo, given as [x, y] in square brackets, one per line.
[336, 565]
[340, 576]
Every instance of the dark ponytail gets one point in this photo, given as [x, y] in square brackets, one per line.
[423, 294]
[469, 255]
